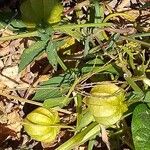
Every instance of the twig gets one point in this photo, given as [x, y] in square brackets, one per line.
[23, 100]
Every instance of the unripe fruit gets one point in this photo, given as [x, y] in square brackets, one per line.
[106, 103]
[42, 124]
[36, 12]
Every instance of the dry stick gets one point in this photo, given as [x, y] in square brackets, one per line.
[25, 88]
[23, 100]
[20, 99]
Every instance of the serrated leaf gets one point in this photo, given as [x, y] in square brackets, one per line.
[53, 88]
[51, 51]
[49, 92]
[141, 127]
[30, 53]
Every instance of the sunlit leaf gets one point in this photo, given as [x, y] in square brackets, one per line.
[53, 102]
[30, 53]
[81, 137]
[141, 127]
[53, 88]
[51, 51]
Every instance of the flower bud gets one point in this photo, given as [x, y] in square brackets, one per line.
[42, 124]
[106, 103]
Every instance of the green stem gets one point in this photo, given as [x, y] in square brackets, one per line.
[82, 79]
[80, 137]
[117, 14]
[97, 11]
[134, 86]
[79, 109]
[134, 40]
[69, 26]
[95, 71]
[22, 35]
[73, 26]
[61, 63]
[66, 100]
[140, 35]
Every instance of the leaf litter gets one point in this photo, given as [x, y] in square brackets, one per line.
[23, 84]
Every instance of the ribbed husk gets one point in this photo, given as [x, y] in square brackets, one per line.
[35, 12]
[106, 103]
[40, 124]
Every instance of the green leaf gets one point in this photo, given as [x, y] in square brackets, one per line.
[53, 102]
[5, 18]
[51, 51]
[133, 84]
[91, 144]
[17, 24]
[75, 33]
[96, 63]
[84, 121]
[91, 64]
[30, 53]
[147, 98]
[53, 88]
[81, 137]
[45, 32]
[141, 127]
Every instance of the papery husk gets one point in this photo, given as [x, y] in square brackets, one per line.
[106, 103]
[36, 12]
[42, 124]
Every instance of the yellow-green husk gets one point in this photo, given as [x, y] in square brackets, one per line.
[35, 12]
[42, 124]
[106, 103]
